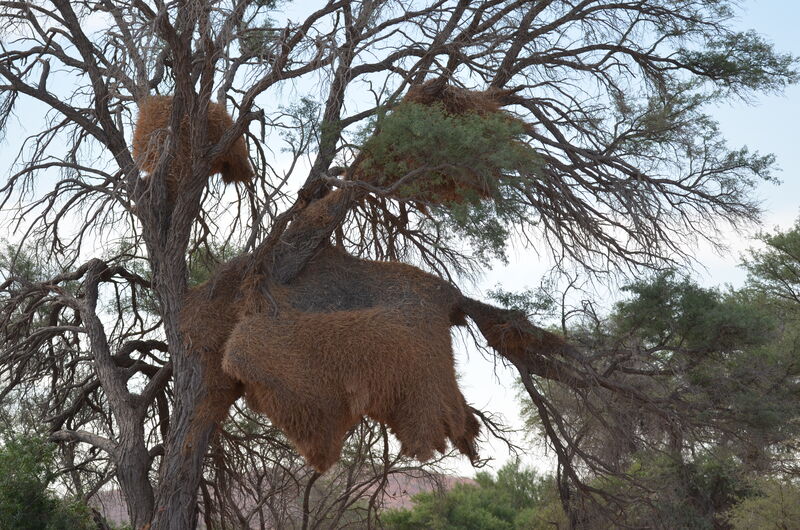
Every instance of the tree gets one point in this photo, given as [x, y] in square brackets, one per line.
[627, 168]
[27, 468]
[774, 269]
[255, 479]
[516, 498]
[727, 359]
[775, 506]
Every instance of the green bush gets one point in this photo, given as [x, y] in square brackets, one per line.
[776, 505]
[27, 467]
[516, 499]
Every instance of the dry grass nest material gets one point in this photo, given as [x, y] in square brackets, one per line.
[317, 374]
[349, 338]
[151, 131]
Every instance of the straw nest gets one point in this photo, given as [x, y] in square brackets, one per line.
[455, 184]
[151, 131]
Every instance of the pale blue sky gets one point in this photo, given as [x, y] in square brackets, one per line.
[771, 123]
[768, 124]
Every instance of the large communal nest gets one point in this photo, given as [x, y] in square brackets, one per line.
[444, 144]
[152, 130]
[456, 100]
[347, 338]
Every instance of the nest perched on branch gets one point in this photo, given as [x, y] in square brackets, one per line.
[463, 139]
[151, 132]
[345, 339]
[456, 100]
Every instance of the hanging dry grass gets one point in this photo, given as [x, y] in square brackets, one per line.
[348, 338]
[316, 374]
[150, 133]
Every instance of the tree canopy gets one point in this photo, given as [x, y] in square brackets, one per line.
[606, 158]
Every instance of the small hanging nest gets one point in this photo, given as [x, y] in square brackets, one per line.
[150, 133]
[464, 136]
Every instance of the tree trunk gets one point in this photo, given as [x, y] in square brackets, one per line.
[133, 464]
[189, 432]
[186, 447]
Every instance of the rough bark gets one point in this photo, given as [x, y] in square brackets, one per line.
[186, 448]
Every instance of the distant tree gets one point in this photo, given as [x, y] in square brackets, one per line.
[625, 167]
[516, 499]
[27, 502]
[775, 269]
[695, 492]
[727, 364]
[776, 504]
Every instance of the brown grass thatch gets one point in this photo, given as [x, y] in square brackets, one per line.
[351, 337]
[457, 100]
[316, 374]
[150, 133]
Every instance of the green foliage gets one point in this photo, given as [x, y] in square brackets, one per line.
[303, 129]
[776, 504]
[674, 118]
[742, 61]
[483, 150]
[258, 39]
[516, 499]
[726, 360]
[538, 301]
[775, 270]
[671, 493]
[482, 224]
[711, 491]
[730, 353]
[669, 311]
[204, 260]
[27, 466]
[414, 136]
[16, 261]
[29, 264]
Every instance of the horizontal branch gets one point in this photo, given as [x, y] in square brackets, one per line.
[100, 442]
[514, 337]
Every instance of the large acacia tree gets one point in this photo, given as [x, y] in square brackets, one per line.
[628, 170]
